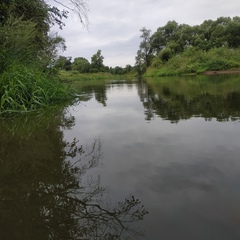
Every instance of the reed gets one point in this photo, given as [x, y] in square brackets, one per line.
[24, 88]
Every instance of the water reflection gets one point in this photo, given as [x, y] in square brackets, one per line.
[45, 192]
[177, 98]
[96, 89]
[187, 174]
[199, 96]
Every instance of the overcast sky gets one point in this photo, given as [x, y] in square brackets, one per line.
[115, 24]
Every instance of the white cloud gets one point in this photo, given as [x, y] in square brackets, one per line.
[115, 24]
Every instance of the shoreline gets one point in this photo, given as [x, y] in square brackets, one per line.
[222, 72]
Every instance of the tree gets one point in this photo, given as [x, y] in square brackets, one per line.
[42, 15]
[37, 10]
[63, 63]
[97, 61]
[78, 7]
[232, 33]
[144, 54]
[140, 64]
[164, 35]
[81, 64]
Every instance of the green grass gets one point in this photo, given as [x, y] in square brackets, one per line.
[24, 89]
[76, 76]
[73, 76]
[193, 61]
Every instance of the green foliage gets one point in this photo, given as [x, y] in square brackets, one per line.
[17, 42]
[63, 63]
[26, 88]
[144, 54]
[165, 54]
[97, 61]
[194, 61]
[210, 34]
[27, 50]
[184, 49]
[81, 64]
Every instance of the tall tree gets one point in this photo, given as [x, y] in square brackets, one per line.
[97, 61]
[144, 54]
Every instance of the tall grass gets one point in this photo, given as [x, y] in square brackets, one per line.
[25, 84]
[24, 88]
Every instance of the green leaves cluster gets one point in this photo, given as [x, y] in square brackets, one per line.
[223, 32]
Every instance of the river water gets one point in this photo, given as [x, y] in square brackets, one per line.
[172, 143]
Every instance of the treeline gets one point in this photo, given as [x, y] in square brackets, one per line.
[82, 65]
[173, 40]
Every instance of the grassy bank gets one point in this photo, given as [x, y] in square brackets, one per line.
[193, 61]
[76, 76]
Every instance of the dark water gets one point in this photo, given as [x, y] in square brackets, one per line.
[172, 143]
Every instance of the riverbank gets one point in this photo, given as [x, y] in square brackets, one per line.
[194, 61]
[76, 76]
[222, 72]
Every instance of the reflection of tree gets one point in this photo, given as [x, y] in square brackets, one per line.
[93, 89]
[176, 100]
[100, 95]
[44, 194]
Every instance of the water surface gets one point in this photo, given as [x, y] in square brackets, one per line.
[173, 143]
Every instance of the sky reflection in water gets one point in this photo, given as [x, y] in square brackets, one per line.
[186, 170]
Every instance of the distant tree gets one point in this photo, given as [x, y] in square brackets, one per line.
[144, 54]
[118, 70]
[128, 68]
[97, 61]
[145, 45]
[63, 63]
[140, 64]
[81, 64]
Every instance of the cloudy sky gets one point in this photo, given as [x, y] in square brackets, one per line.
[115, 24]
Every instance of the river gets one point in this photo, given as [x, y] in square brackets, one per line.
[173, 143]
